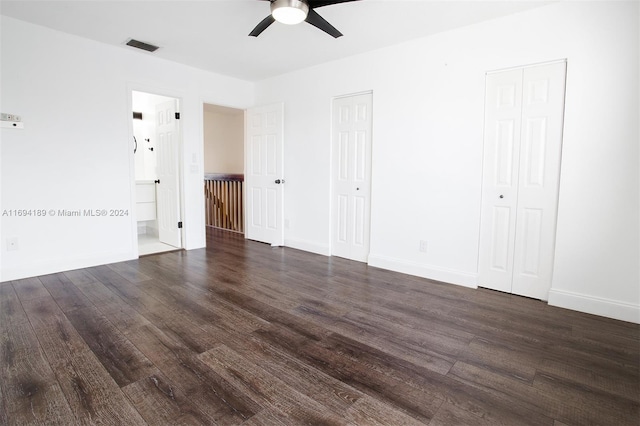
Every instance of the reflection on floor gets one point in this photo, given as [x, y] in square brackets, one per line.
[149, 244]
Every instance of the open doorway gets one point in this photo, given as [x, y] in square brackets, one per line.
[157, 139]
[223, 130]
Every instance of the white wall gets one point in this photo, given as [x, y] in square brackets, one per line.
[223, 140]
[427, 148]
[75, 152]
[74, 96]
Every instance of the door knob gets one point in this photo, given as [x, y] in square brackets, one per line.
[501, 196]
[279, 181]
[157, 181]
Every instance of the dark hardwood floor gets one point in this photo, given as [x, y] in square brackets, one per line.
[242, 333]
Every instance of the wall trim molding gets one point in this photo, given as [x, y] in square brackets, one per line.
[448, 276]
[62, 265]
[595, 305]
[309, 246]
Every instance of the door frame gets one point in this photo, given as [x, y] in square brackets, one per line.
[132, 170]
[332, 219]
[244, 153]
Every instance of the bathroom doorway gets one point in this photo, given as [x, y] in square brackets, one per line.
[157, 138]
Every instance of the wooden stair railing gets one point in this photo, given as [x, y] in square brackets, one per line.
[224, 201]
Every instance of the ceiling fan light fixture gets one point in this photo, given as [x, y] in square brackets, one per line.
[289, 12]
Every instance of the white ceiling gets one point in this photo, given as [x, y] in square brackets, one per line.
[213, 34]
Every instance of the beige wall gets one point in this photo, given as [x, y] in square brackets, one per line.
[223, 140]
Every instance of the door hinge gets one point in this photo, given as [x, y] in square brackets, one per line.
[177, 116]
[179, 225]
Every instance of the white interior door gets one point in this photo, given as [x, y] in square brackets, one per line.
[539, 179]
[264, 177]
[503, 117]
[168, 189]
[351, 200]
[523, 140]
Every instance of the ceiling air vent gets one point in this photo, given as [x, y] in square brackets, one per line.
[142, 45]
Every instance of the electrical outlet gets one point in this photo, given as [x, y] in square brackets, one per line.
[12, 244]
[423, 246]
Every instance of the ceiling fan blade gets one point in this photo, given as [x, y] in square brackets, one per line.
[319, 22]
[262, 26]
[320, 3]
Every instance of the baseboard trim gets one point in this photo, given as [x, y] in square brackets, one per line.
[464, 279]
[61, 265]
[309, 246]
[595, 305]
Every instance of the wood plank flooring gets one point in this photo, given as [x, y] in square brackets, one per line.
[245, 334]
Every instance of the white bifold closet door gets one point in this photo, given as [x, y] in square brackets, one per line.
[524, 111]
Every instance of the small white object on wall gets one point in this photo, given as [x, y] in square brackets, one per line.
[11, 121]
[11, 125]
[10, 117]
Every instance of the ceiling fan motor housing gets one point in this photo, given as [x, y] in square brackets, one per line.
[289, 11]
[295, 11]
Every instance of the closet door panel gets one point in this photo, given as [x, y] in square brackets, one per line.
[539, 179]
[503, 111]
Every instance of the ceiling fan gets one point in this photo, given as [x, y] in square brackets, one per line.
[293, 12]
